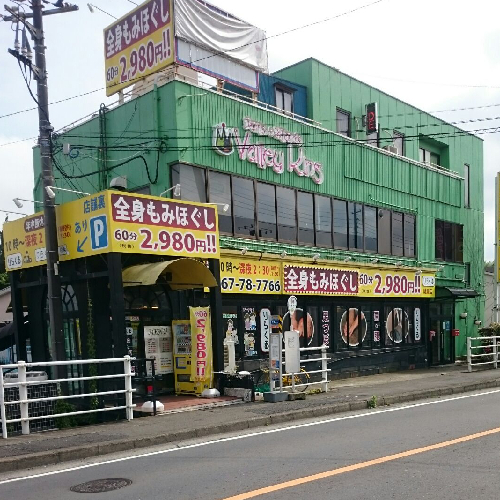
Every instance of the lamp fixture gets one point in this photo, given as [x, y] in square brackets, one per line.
[418, 272]
[50, 191]
[347, 259]
[283, 254]
[439, 268]
[463, 315]
[92, 7]
[375, 261]
[176, 189]
[316, 256]
[244, 250]
[18, 201]
[225, 206]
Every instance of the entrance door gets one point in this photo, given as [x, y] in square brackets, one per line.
[441, 346]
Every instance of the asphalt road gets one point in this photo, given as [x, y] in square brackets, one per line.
[437, 449]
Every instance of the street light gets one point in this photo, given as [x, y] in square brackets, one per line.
[92, 7]
[225, 206]
[52, 195]
[18, 201]
[176, 189]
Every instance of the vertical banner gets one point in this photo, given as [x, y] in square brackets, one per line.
[201, 344]
[265, 329]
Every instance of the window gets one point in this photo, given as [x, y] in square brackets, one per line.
[409, 235]
[192, 181]
[449, 241]
[343, 122]
[340, 234]
[266, 211]
[243, 207]
[284, 99]
[370, 229]
[425, 156]
[305, 212]
[398, 140]
[397, 233]
[286, 214]
[323, 219]
[219, 191]
[355, 226]
[466, 186]
[384, 231]
[439, 240]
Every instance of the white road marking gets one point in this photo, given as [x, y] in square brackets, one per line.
[251, 434]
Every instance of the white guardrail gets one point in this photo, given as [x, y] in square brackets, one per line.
[489, 354]
[303, 377]
[23, 383]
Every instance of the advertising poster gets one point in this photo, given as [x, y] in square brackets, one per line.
[138, 44]
[113, 221]
[320, 280]
[250, 332]
[201, 342]
[158, 345]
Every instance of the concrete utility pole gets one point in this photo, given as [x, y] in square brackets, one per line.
[44, 142]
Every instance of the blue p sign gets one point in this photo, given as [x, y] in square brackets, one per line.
[99, 232]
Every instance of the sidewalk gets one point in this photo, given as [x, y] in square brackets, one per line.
[22, 452]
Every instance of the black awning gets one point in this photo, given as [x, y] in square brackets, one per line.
[461, 293]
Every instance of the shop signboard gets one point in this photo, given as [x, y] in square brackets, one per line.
[201, 344]
[275, 358]
[138, 44]
[250, 276]
[113, 221]
[158, 345]
[320, 280]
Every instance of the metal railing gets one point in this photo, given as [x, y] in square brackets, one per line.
[23, 383]
[306, 374]
[489, 354]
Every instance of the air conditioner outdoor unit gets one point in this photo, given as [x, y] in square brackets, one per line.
[391, 149]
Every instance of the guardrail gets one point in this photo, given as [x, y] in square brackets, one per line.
[23, 383]
[490, 352]
[293, 378]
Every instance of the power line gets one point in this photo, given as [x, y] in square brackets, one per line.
[51, 103]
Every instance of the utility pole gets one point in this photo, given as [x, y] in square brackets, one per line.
[44, 142]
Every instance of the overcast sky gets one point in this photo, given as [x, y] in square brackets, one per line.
[434, 54]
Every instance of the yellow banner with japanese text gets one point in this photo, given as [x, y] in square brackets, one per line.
[138, 44]
[250, 276]
[112, 221]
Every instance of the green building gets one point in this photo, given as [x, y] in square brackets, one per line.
[366, 208]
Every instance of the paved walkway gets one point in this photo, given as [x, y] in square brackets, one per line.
[51, 447]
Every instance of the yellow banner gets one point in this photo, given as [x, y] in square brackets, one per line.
[250, 276]
[138, 44]
[112, 221]
[362, 282]
[201, 344]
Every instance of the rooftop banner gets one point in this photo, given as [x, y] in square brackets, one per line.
[138, 44]
[112, 221]
[207, 26]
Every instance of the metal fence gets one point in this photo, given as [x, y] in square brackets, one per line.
[482, 351]
[23, 383]
[302, 379]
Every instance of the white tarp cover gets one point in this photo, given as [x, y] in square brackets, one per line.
[205, 25]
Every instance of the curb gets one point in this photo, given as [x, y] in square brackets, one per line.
[53, 457]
